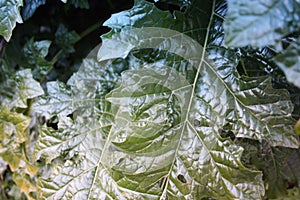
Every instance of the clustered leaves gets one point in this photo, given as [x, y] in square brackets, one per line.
[174, 104]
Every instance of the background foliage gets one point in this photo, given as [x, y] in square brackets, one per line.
[62, 117]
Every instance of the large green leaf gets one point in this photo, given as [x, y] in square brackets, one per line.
[235, 89]
[9, 16]
[260, 23]
[133, 126]
[289, 62]
[144, 14]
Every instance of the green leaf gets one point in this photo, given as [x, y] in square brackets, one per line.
[35, 53]
[238, 89]
[9, 16]
[260, 23]
[16, 91]
[279, 166]
[84, 92]
[289, 63]
[79, 143]
[65, 39]
[30, 7]
[137, 125]
[145, 14]
[80, 4]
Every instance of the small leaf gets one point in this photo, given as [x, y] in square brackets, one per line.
[65, 39]
[289, 63]
[80, 4]
[260, 23]
[30, 7]
[9, 16]
[35, 53]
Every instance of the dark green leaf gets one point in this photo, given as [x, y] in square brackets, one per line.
[260, 23]
[279, 166]
[30, 7]
[65, 38]
[9, 16]
[80, 3]
[35, 53]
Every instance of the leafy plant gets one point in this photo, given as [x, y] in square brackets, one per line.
[182, 100]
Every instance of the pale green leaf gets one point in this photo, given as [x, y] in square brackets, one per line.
[289, 63]
[10, 15]
[260, 23]
[13, 133]
[79, 144]
[17, 90]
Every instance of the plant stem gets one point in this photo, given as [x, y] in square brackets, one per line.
[90, 30]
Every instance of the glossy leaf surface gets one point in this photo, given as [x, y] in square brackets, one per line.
[10, 15]
[138, 125]
[17, 90]
[260, 23]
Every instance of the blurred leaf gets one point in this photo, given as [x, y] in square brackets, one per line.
[30, 7]
[9, 16]
[13, 129]
[16, 91]
[80, 3]
[35, 53]
[65, 39]
[260, 23]
[279, 166]
[297, 127]
[289, 62]
[25, 185]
